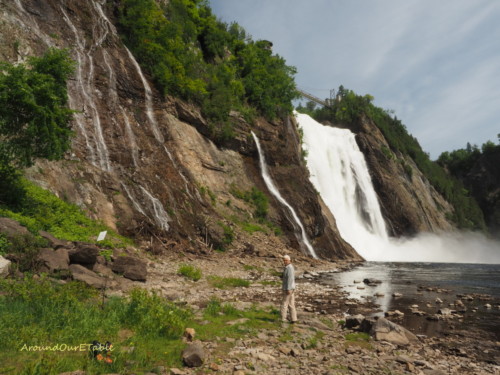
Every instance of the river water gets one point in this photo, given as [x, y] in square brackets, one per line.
[422, 284]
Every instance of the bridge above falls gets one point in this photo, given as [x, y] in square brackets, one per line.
[325, 103]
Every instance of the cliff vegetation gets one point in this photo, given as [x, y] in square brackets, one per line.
[218, 67]
[479, 171]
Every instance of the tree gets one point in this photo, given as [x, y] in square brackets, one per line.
[34, 117]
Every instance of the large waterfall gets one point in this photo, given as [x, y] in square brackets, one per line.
[339, 172]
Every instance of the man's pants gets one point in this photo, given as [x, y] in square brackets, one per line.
[288, 301]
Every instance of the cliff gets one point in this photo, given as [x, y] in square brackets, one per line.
[141, 163]
[409, 203]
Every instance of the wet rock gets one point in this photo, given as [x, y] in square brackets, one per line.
[445, 312]
[4, 267]
[354, 320]
[395, 313]
[371, 282]
[193, 355]
[130, 267]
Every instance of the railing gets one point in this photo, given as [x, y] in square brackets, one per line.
[313, 98]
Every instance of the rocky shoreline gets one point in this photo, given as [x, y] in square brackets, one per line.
[326, 340]
[321, 308]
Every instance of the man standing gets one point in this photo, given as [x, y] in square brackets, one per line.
[288, 300]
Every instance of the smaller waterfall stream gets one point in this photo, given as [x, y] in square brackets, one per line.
[84, 79]
[274, 190]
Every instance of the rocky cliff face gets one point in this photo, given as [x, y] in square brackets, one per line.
[140, 162]
[408, 201]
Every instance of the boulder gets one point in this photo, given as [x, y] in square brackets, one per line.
[11, 228]
[130, 267]
[84, 253]
[87, 276]
[354, 320]
[193, 355]
[53, 260]
[385, 330]
[4, 267]
[54, 243]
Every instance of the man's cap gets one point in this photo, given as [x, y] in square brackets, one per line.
[287, 257]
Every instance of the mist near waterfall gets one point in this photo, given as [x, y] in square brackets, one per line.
[339, 172]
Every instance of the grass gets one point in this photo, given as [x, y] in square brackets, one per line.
[227, 282]
[361, 339]
[190, 272]
[42, 210]
[313, 341]
[56, 323]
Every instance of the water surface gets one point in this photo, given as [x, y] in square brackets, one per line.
[422, 284]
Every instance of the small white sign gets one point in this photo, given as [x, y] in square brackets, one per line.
[102, 236]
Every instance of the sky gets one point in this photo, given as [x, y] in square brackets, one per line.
[436, 64]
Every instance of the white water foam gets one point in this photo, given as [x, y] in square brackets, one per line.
[274, 190]
[339, 173]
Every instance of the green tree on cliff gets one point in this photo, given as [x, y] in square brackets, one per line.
[34, 117]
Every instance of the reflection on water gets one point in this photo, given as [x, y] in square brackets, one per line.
[444, 280]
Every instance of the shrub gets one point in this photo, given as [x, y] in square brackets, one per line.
[190, 272]
[4, 244]
[26, 249]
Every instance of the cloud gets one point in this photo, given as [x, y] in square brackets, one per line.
[436, 63]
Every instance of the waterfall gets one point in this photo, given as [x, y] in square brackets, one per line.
[148, 95]
[274, 191]
[87, 89]
[161, 216]
[339, 173]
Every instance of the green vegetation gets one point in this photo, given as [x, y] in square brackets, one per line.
[478, 170]
[228, 233]
[350, 108]
[192, 55]
[41, 313]
[38, 209]
[34, 117]
[314, 340]
[255, 197]
[361, 339]
[228, 282]
[4, 244]
[145, 329]
[189, 271]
